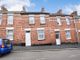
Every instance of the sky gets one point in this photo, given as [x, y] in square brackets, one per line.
[52, 6]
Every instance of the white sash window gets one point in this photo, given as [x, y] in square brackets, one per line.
[10, 19]
[31, 19]
[41, 34]
[0, 18]
[68, 20]
[10, 34]
[42, 19]
[59, 21]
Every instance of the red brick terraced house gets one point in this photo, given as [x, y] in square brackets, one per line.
[39, 28]
[77, 26]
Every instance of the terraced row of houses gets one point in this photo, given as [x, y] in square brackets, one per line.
[39, 28]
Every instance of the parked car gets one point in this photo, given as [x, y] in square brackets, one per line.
[5, 46]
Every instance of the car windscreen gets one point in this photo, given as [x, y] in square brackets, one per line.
[6, 42]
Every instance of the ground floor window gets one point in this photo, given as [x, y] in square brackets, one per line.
[68, 34]
[41, 34]
[9, 34]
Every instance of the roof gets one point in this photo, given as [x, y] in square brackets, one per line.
[24, 13]
[58, 13]
[27, 13]
[53, 14]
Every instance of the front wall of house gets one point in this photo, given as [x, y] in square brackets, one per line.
[78, 28]
[53, 25]
[21, 22]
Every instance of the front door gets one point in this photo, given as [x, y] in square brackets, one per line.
[58, 42]
[27, 38]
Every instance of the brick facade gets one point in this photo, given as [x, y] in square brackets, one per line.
[21, 23]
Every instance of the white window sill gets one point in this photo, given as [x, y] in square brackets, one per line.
[41, 39]
[68, 38]
[42, 23]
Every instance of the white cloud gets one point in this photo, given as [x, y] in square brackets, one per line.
[33, 5]
[77, 8]
[15, 5]
[70, 8]
[17, 8]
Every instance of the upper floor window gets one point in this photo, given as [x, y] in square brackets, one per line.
[0, 18]
[58, 20]
[31, 19]
[68, 20]
[41, 34]
[10, 18]
[42, 19]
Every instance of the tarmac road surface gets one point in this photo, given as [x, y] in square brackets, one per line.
[47, 54]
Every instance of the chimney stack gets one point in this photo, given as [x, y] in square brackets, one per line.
[3, 9]
[24, 9]
[74, 13]
[59, 12]
[42, 9]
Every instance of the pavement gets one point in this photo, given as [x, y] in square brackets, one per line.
[18, 48]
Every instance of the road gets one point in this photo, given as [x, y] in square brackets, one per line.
[47, 54]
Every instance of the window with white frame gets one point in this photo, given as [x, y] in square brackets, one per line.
[58, 20]
[9, 34]
[68, 20]
[68, 34]
[41, 34]
[0, 18]
[10, 18]
[31, 19]
[42, 19]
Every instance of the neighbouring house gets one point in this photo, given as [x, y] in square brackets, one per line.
[77, 27]
[39, 28]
